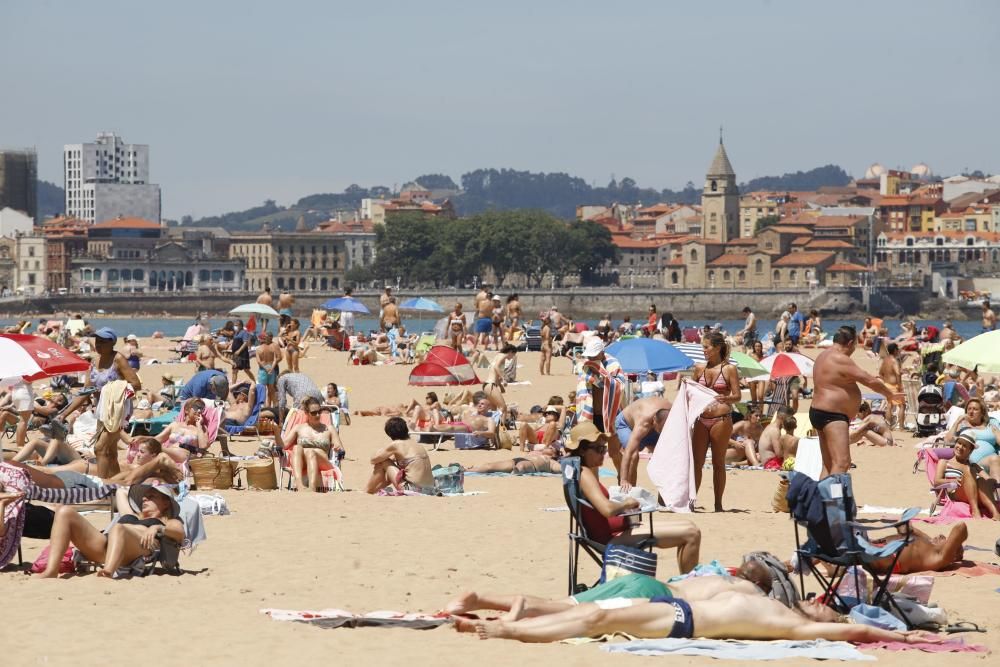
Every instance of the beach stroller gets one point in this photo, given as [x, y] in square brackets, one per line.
[930, 410]
[834, 537]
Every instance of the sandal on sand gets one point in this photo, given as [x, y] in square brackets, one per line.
[962, 626]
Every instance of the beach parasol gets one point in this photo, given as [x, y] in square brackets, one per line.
[638, 355]
[34, 357]
[259, 309]
[980, 351]
[695, 352]
[786, 364]
[746, 365]
[346, 304]
[420, 303]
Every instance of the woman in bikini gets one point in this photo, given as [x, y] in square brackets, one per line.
[495, 382]
[758, 388]
[187, 438]
[519, 465]
[312, 444]
[543, 437]
[423, 417]
[401, 466]
[873, 428]
[456, 327]
[545, 362]
[290, 340]
[966, 474]
[715, 425]
[985, 430]
[138, 534]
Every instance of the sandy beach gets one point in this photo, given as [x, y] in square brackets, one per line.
[362, 553]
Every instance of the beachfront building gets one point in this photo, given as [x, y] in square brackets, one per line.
[911, 258]
[306, 261]
[29, 268]
[65, 238]
[8, 257]
[358, 237]
[135, 255]
[108, 179]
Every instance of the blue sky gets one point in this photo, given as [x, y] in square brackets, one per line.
[243, 101]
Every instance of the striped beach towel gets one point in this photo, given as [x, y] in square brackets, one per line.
[611, 380]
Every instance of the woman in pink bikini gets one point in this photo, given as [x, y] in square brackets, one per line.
[715, 425]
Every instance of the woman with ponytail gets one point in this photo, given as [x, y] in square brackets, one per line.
[715, 425]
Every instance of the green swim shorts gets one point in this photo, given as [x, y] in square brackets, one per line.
[629, 586]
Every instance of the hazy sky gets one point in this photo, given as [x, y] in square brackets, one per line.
[242, 101]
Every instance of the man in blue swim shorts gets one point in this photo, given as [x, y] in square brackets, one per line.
[725, 616]
[638, 426]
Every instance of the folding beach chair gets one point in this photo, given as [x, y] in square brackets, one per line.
[836, 539]
[260, 395]
[332, 476]
[578, 538]
[929, 457]
[911, 388]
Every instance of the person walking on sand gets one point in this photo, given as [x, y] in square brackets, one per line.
[837, 398]
[484, 319]
[749, 330]
[265, 299]
[989, 318]
[891, 373]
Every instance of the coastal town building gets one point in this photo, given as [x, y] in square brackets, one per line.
[109, 178]
[19, 181]
[65, 238]
[8, 261]
[911, 258]
[136, 255]
[29, 270]
[301, 261]
[720, 200]
[358, 237]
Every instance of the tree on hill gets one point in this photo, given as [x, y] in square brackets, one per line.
[436, 182]
[829, 175]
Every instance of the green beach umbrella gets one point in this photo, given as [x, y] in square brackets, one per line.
[982, 351]
[747, 365]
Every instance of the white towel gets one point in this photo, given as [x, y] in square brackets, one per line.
[809, 458]
[672, 467]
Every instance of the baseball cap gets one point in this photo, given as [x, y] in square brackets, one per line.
[107, 333]
[132, 337]
[593, 348]
[583, 432]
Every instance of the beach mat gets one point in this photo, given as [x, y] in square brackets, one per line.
[966, 568]
[338, 618]
[604, 472]
[947, 646]
[818, 649]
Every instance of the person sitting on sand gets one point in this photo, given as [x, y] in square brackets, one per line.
[753, 578]
[732, 615]
[971, 484]
[602, 517]
[423, 417]
[312, 444]
[872, 428]
[743, 442]
[519, 465]
[152, 515]
[402, 466]
[774, 445]
[543, 436]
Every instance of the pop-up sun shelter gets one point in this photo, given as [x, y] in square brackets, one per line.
[443, 366]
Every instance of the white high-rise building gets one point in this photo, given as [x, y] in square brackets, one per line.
[108, 179]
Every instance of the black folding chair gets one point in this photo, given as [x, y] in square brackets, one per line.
[578, 538]
[841, 542]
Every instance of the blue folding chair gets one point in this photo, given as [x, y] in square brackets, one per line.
[260, 395]
[835, 538]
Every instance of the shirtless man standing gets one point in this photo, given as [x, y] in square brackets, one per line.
[207, 353]
[513, 311]
[390, 314]
[265, 299]
[285, 303]
[837, 397]
[638, 426]
[989, 317]
[892, 375]
[268, 356]
[484, 319]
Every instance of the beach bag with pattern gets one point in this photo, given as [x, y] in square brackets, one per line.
[449, 478]
[621, 560]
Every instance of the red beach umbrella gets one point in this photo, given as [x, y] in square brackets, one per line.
[34, 357]
[788, 363]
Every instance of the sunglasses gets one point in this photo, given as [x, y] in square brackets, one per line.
[193, 409]
[315, 413]
[600, 449]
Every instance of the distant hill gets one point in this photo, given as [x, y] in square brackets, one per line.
[504, 189]
[51, 200]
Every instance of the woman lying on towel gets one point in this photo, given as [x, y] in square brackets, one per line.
[312, 444]
[151, 462]
[519, 465]
[402, 466]
[152, 515]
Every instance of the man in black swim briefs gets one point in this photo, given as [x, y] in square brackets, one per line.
[837, 397]
[727, 616]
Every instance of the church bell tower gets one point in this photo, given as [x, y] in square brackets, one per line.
[720, 200]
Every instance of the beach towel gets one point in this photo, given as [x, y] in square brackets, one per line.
[818, 649]
[610, 378]
[115, 405]
[672, 467]
[947, 646]
[965, 568]
[952, 511]
[809, 458]
[13, 479]
[338, 618]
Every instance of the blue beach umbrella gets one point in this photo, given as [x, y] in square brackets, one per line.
[420, 303]
[638, 355]
[346, 304]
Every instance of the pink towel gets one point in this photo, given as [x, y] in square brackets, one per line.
[672, 468]
[951, 511]
[947, 646]
[966, 568]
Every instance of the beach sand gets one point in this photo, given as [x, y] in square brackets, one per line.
[362, 553]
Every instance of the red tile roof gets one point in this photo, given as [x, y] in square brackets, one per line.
[840, 220]
[677, 261]
[729, 259]
[803, 259]
[743, 240]
[801, 241]
[828, 244]
[127, 223]
[848, 267]
[788, 229]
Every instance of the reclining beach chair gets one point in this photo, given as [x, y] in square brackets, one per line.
[260, 395]
[578, 538]
[929, 457]
[911, 388]
[835, 538]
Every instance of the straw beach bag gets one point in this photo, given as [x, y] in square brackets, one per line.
[213, 473]
[261, 475]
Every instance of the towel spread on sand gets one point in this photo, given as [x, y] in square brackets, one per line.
[819, 649]
[672, 467]
[878, 509]
[604, 472]
[966, 568]
[338, 618]
[947, 646]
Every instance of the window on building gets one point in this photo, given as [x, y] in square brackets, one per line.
[742, 275]
[189, 278]
[97, 274]
[711, 276]
[758, 266]
[281, 283]
[203, 276]
[324, 283]
[726, 276]
[216, 275]
[673, 278]
[776, 276]
[112, 275]
[714, 186]
[31, 278]
[137, 274]
[228, 276]
[792, 275]
[31, 251]
[302, 283]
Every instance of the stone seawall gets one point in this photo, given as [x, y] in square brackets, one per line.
[580, 302]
